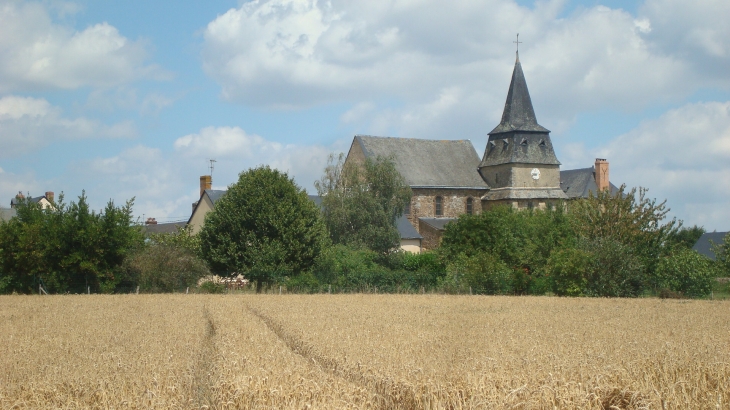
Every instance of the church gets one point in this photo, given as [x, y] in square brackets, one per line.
[519, 168]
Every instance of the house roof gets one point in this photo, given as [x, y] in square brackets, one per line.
[577, 183]
[437, 223]
[704, 244]
[406, 230]
[7, 213]
[518, 114]
[171, 227]
[15, 200]
[428, 163]
[215, 194]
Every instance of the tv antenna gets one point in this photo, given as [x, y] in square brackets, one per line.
[212, 161]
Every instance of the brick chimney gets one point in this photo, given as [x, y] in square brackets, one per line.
[601, 173]
[206, 182]
[151, 221]
[49, 196]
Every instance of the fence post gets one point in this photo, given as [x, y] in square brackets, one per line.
[280, 290]
[187, 290]
[329, 289]
[88, 290]
[137, 290]
[470, 290]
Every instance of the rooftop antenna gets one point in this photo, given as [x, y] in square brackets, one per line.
[211, 168]
[518, 42]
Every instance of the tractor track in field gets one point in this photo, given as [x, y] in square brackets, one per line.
[389, 394]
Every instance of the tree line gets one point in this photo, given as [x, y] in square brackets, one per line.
[267, 228]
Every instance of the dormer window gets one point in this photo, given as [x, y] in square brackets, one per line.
[524, 141]
[439, 206]
[542, 143]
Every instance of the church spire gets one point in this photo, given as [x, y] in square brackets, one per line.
[518, 113]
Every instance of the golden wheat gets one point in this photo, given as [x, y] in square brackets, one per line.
[362, 351]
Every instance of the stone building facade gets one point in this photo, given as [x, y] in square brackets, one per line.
[519, 168]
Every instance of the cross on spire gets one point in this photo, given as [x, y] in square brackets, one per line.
[518, 42]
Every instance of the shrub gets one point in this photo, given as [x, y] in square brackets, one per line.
[568, 271]
[687, 272]
[616, 271]
[165, 268]
[484, 273]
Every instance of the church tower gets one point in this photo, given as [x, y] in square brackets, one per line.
[519, 163]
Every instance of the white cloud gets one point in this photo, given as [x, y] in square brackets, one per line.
[28, 123]
[683, 156]
[37, 54]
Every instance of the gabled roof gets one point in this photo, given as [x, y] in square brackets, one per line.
[704, 246]
[437, 223]
[428, 163]
[215, 194]
[518, 114]
[171, 227]
[577, 183]
[15, 201]
[406, 230]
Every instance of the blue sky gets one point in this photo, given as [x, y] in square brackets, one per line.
[131, 99]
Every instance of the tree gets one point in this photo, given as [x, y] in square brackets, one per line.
[630, 218]
[264, 227]
[686, 237]
[67, 247]
[722, 254]
[687, 272]
[361, 202]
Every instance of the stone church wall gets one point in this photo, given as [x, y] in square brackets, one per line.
[454, 203]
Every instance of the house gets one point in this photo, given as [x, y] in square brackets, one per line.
[704, 245]
[519, 168]
[45, 201]
[410, 238]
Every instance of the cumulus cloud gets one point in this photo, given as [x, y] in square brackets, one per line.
[28, 123]
[298, 53]
[38, 54]
[165, 183]
[683, 156]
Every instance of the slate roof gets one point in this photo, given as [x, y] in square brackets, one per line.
[7, 213]
[704, 246]
[428, 163]
[406, 230]
[518, 114]
[215, 194]
[171, 227]
[577, 183]
[437, 223]
[16, 200]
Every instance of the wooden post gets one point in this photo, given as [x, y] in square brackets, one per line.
[187, 290]
[329, 289]
[88, 290]
[470, 290]
[137, 290]
[280, 290]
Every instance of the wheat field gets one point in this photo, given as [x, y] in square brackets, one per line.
[362, 351]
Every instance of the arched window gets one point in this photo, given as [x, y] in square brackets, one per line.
[470, 205]
[439, 206]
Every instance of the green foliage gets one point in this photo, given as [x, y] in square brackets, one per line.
[569, 270]
[687, 272]
[722, 255]
[629, 218]
[183, 239]
[165, 268]
[212, 287]
[483, 273]
[66, 248]
[616, 271]
[265, 227]
[361, 202]
[686, 237]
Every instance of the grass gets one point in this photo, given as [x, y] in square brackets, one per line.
[362, 351]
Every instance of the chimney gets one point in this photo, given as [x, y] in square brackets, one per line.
[205, 183]
[151, 221]
[601, 173]
[49, 196]
[18, 198]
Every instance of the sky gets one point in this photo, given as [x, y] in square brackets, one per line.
[132, 99]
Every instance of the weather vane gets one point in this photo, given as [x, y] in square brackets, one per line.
[518, 42]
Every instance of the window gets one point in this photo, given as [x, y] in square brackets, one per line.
[439, 206]
[407, 210]
[469, 205]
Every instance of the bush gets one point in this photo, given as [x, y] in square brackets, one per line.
[687, 272]
[165, 268]
[616, 271]
[484, 273]
[568, 270]
[212, 287]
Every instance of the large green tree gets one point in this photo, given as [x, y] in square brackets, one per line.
[67, 247]
[265, 226]
[361, 202]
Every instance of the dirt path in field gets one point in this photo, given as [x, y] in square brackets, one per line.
[389, 394]
[203, 371]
